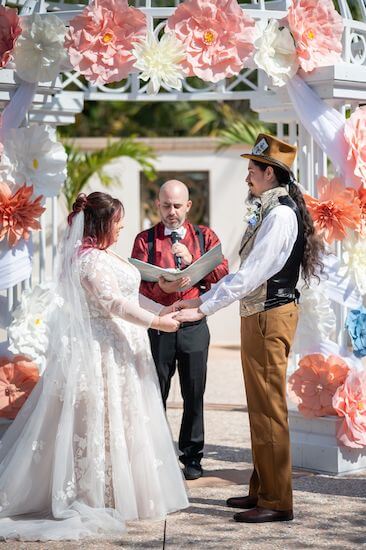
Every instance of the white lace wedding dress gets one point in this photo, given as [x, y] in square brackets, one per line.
[91, 447]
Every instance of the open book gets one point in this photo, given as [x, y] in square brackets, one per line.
[196, 271]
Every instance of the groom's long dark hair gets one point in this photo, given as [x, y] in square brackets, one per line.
[311, 265]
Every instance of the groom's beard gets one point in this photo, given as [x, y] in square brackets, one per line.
[250, 197]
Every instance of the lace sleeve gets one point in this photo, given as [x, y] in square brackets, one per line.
[150, 305]
[102, 284]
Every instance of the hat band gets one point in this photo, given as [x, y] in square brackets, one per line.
[275, 161]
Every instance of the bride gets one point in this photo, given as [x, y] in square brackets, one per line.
[91, 447]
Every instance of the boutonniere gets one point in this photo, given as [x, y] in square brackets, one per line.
[253, 214]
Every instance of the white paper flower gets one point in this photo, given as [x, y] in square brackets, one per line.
[160, 61]
[354, 257]
[276, 52]
[39, 51]
[28, 333]
[33, 156]
[317, 321]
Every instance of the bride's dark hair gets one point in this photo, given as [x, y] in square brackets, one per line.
[311, 265]
[100, 212]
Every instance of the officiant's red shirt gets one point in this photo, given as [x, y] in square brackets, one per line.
[163, 257]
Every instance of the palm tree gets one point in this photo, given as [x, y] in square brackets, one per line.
[242, 131]
[81, 166]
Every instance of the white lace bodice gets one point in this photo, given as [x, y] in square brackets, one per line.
[112, 288]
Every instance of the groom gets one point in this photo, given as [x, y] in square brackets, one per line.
[272, 251]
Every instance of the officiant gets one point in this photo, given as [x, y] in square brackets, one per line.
[176, 243]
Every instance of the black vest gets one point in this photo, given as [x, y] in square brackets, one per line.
[281, 288]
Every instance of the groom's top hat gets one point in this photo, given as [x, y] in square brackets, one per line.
[271, 150]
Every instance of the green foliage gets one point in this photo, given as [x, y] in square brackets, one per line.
[81, 166]
[241, 131]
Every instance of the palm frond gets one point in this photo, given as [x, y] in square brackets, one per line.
[240, 132]
[81, 166]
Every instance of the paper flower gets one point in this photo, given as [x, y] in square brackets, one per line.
[18, 213]
[314, 383]
[159, 62]
[355, 135]
[99, 41]
[336, 209]
[317, 321]
[39, 52]
[350, 402]
[10, 29]
[18, 376]
[29, 331]
[217, 35]
[32, 155]
[317, 29]
[276, 52]
[356, 326]
[354, 258]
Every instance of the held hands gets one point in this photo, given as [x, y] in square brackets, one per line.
[182, 251]
[189, 315]
[166, 323]
[173, 286]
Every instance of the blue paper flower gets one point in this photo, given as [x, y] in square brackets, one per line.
[356, 326]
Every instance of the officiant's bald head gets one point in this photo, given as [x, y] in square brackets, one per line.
[173, 203]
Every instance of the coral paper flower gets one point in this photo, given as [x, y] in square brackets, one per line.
[355, 135]
[18, 376]
[39, 52]
[337, 209]
[32, 155]
[317, 29]
[217, 35]
[356, 326]
[314, 383]
[18, 213]
[350, 402]
[99, 41]
[276, 53]
[159, 62]
[10, 29]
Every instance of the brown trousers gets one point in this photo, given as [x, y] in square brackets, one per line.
[266, 338]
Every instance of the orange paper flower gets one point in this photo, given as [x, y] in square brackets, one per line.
[336, 209]
[18, 377]
[18, 213]
[314, 383]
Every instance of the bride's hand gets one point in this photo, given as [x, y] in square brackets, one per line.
[166, 323]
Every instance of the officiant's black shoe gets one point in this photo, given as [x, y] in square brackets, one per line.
[263, 515]
[244, 503]
[192, 470]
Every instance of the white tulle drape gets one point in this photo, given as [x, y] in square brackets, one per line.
[91, 448]
[17, 108]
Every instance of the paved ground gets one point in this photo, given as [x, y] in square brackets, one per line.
[330, 512]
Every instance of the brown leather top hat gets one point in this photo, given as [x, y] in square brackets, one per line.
[271, 150]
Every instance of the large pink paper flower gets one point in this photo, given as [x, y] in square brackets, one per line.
[10, 29]
[355, 135]
[317, 29]
[18, 213]
[218, 37]
[337, 209]
[18, 377]
[350, 402]
[99, 41]
[314, 383]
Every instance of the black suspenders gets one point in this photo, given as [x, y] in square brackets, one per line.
[150, 242]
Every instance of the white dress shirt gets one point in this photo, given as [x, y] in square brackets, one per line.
[271, 249]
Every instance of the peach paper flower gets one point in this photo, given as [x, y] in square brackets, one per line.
[18, 213]
[99, 41]
[336, 209]
[10, 29]
[18, 376]
[317, 29]
[355, 135]
[314, 383]
[350, 402]
[218, 37]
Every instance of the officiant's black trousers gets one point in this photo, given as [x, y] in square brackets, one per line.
[186, 349]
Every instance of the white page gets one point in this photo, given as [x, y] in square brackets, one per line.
[196, 271]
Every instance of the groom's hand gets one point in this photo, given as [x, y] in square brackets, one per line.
[189, 315]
